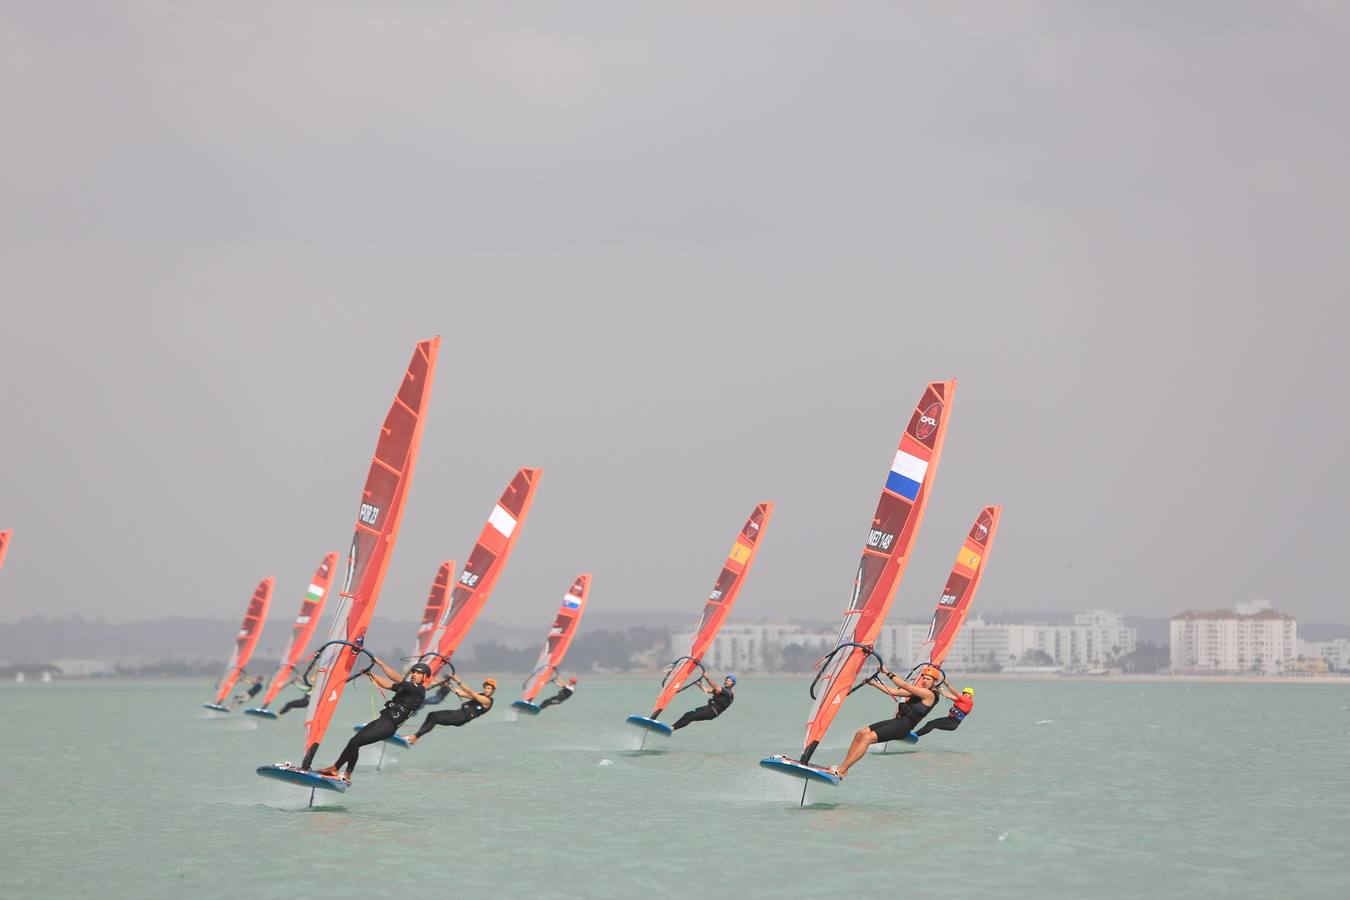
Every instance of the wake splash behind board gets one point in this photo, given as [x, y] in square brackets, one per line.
[397, 740]
[526, 706]
[797, 769]
[651, 725]
[292, 774]
[260, 713]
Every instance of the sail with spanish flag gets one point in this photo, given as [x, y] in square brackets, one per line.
[885, 554]
[378, 516]
[255, 616]
[962, 582]
[735, 570]
[486, 562]
[306, 621]
[560, 635]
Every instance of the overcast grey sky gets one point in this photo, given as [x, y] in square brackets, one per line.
[685, 257]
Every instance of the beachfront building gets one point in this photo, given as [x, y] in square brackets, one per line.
[757, 646]
[1251, 638]
[1335, 652]
[1094, 640]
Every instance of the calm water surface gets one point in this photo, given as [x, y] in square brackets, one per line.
[121, 789]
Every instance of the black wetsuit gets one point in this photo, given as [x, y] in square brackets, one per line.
[253, 691]
[716, 705]
[397, 710]
[300, 703]
[908, 713]
[558, 697]
[468, 711]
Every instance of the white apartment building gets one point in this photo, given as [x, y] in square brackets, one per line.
[1335, 652]
[1250, 638]
[1095, 637]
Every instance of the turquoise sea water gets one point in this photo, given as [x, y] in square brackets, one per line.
[1061, 789]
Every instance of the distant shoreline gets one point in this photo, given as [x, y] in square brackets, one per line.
[787, 676]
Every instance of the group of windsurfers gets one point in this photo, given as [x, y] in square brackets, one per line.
[914, 701]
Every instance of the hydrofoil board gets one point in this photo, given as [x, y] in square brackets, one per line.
[799, 769]
[526, 706]
[303, 777]
[260, 713]
[651, 725]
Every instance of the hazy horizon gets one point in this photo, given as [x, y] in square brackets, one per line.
[685, 260]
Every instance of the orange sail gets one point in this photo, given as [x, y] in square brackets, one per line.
[311, 608]
[247, 639]
[431, 614]
[734, 572]
[377, 521]
[559, 637]
[885, 555]
[485, 565]
[4, 543]
[962, 583]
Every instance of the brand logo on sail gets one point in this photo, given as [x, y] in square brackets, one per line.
[880, 540]
[468, 579]
[928, 421]
[368, 514]
[947, 600]
[981, 530]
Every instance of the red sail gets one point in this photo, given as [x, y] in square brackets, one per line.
[485, 565]
[247, 639]
[4, 543]
[311, 608]
[559, 636]
[885, 554]
[377, 521]
[962, 583]
[440, 590]
[720, 601]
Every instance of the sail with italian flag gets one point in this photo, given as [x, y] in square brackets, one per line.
[255, 616]
[306, 621]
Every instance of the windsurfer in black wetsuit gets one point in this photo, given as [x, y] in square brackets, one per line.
[717, 704]
[408, 696]
[255, 685]
[474, 705]
[914, 702]
[568, 689]
[300, 702]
